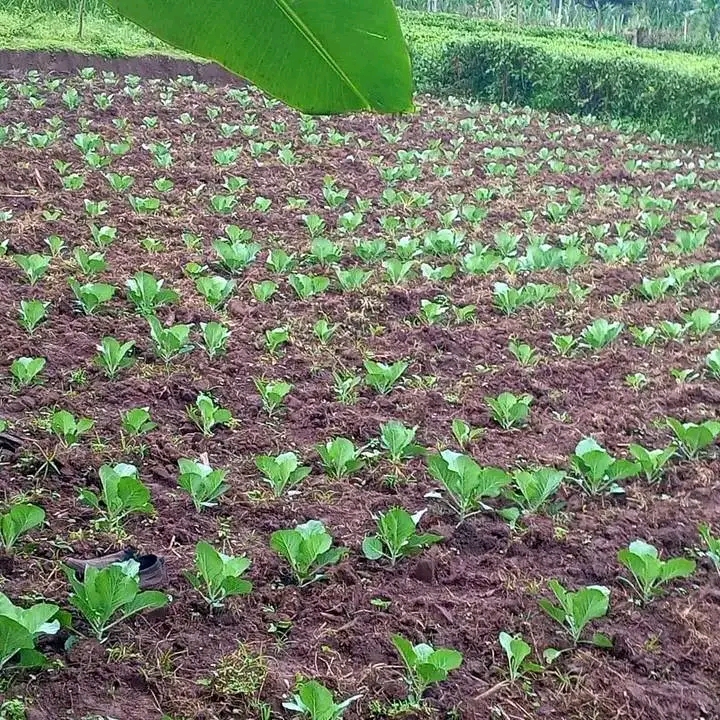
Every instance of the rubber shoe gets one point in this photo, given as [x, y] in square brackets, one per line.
[152, 572]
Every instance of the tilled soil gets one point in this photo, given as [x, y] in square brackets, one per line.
[484, 577]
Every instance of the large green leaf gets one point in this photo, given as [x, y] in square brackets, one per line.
[320, 56]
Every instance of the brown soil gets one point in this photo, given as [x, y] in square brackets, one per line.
[483, 578]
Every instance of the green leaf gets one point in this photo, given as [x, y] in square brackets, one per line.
[13, 638]
[601, 640]
[312, 55]
[372, 548]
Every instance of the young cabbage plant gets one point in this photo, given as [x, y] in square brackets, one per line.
[518, 653]
[596, 471]
[207, 414]
[216, 290]
[712, 363]
[108, 596]
[114, 356]
[32, 313]
[215, 338]
[148, 294]
[276, 338]
[281, 472]
[531, 489]
[466, 483]
[121, 494]
[464, 433]
[306, 286]
[383, 377]
[170, 342]
[510, 411]
[575, 610]
[26, 370]
[20, 629]
[204, 484]
[308, 549]
[711, 543]
[397, 536]
[649, 572]
[692, 438]
[652, 462]
[91, 296]
[600, 333]
[340, 457]
[19, 519]
[425, 665]
[399, 442]
[315, 701]
[137, 421]
[68, 428]
[272, 394]
[218, 576]
[33, 266]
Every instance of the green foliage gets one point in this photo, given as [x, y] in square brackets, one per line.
[316, 702]
[114, 356]
[121, 493]
[600, 333]
[281, 472]
[34, 266]
[204, 484]
[137, 421]
[397, 536]
[712, 544]
[597, 471]
[111, 592]
[272, 393]
[20, 629]
[464, 433]
[91, 296]
[215, 337]
[649, 572]
[508, 410]
[425, 665]
[207, 414]
[340, 457]
[574, 610]
[19, 518]
[692, 438]
[268, 44]
[308, 549]
[652, 462]
[670, 92]
[170, 342]
[383, 377]
[26, 370]
[32, 313]
[466, 483]
[517, 652]
[531, 489]
[216, 289]
[148, 294]
[68, 428]
[712, 363]
[399, 441]
[218, 576]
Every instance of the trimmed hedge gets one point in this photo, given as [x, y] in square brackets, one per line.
[569, 72]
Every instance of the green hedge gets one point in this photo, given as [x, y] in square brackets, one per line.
[675, 93]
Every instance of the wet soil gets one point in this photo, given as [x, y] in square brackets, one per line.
[483, 578]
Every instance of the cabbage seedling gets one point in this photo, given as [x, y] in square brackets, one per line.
[694, 437]
[531, 489]
[264, 290]
[425, 665]
[600, 333]
[121, 494]
[517, 652]
[465, 482]
[91, 296]
[32, 313]
[306, 286]
[34, 266]
[712, 363]
[216, 290]
[236, 255]
[652, 462]
[281, 472]
[464, 433]
[340, 457]
[215, 337]
[20, 629]
[712, 545]
[147, 293]
[397, 536]
[649, 572]
[508, 410]
[206, 414]
[275, 338]
[170, 342]
[114, 356]
[596, 471]
[68, 429]
[272, 393]
[204, 484]
[399, 441]
[111, 592]
[575, 610]
[324, 331]
[308, 550]
[218, 576]
[136, 421]
[316, 702]
[25, 370]
[383, 377]
[17, 521]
